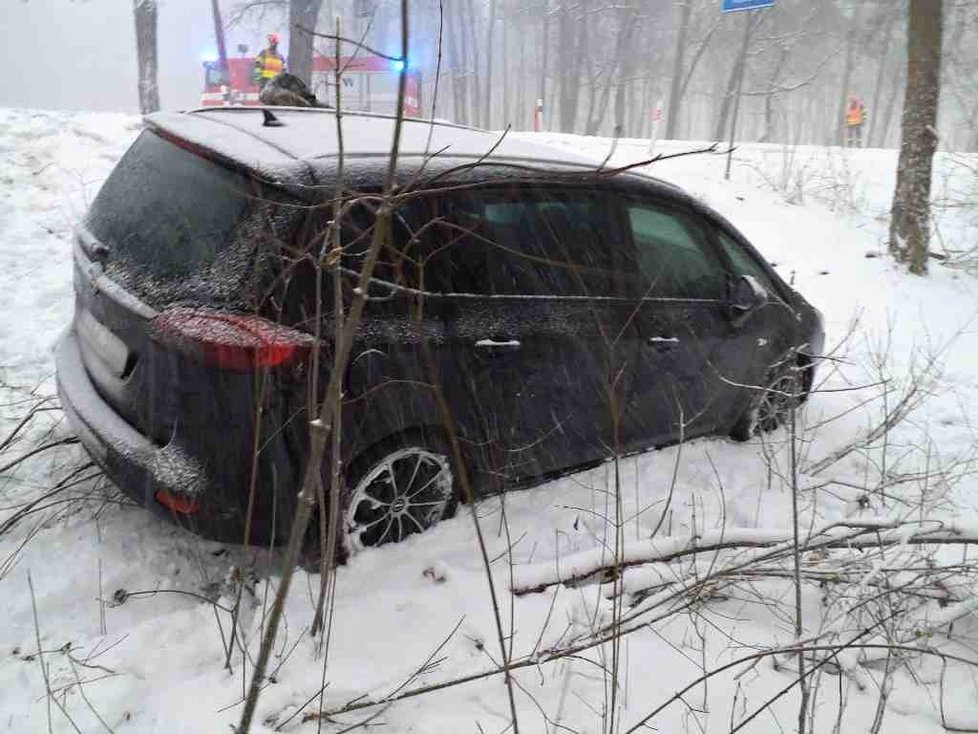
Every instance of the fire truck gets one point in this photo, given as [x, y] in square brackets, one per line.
[369, 83]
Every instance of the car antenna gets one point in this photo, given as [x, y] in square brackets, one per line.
[271, 120]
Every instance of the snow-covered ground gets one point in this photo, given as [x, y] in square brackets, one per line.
[130, 614]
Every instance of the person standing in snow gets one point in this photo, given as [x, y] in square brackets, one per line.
[855, 117]
[269, 63]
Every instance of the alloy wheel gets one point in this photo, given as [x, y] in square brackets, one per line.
[406, 492]
[776, 402]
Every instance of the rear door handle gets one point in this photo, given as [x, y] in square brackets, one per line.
[493, 346]
[664, 342]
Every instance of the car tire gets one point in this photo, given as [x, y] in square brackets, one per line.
[398, 488]
[770, 407]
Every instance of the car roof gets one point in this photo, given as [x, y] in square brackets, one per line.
[305, 148]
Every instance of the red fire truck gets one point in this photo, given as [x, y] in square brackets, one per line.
[369, 83]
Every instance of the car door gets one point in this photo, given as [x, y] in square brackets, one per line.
[686, 371]
[532, 328]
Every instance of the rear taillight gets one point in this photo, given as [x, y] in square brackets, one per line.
[177, 503]
[235, 342]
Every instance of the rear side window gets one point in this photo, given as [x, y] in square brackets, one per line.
[399, 261]
[166, 210]
[524, 241]
[674, 258]
[517, 241]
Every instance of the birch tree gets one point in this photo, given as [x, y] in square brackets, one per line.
[910, 218]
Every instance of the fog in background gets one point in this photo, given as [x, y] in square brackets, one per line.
[632, 68]
[81, 54]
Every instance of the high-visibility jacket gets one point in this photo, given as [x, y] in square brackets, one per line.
[855, 115]
[267, 65]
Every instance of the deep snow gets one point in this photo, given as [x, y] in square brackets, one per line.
[155, 662]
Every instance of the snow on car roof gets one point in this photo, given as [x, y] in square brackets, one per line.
[308, 135]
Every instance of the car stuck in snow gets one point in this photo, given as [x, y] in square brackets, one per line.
[564, 312]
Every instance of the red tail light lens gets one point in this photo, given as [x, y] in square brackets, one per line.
[235, 342]
[178, 503]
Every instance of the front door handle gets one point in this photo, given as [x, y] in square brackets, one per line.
[492, 346]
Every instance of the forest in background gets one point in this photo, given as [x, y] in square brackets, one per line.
[602, 67]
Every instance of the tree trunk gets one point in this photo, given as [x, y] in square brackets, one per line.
[222, 50]
[959, 25]
[880, 76]
[507, 117]
[769, 99]
[768, 135]
[672, 109]
[570, 60]
[624, 71]
[897, 80]
[455, 40]
[600, 106]
[972, 140]
[838, 136]
[490, 78]
[144, 13]
[725, 100]
[694, 62]
[473, 43]
[910, 218]
[521, 105]
[304, 13]
[733, 83]
[592, 92]
[642, 109]
[619, 128]
[626, 28]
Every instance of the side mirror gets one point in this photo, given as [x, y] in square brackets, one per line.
[747, 295]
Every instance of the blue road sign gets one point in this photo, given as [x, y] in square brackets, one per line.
[730, 6]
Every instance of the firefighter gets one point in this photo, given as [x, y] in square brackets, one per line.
[855, 117]
[269, 63]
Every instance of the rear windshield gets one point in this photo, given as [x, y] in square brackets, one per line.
[166, 210]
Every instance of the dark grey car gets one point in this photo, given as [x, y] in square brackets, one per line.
[564, 313]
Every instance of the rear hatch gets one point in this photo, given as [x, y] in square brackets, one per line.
[170, 229]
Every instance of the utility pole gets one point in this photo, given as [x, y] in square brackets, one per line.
[745, 6]
[740, 84]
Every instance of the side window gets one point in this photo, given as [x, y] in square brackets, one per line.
[516, 241]
[742, 261]
[400, 261]
[673, 256]
[525, 241]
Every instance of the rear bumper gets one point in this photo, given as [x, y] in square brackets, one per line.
[137, 465]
